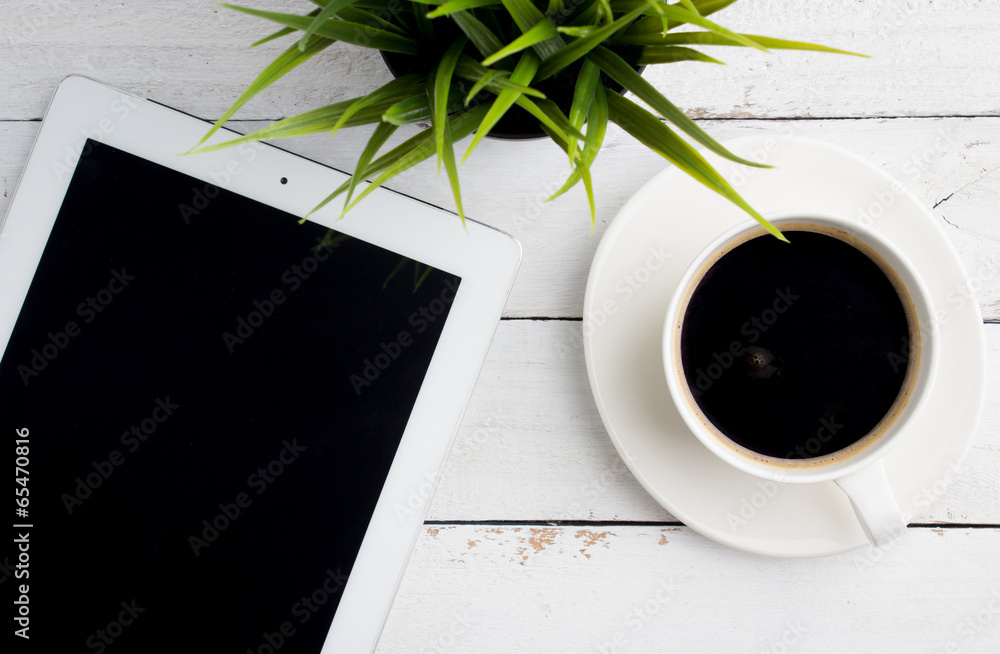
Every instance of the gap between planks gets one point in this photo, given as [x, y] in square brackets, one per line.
[714, 119]
[641, 523]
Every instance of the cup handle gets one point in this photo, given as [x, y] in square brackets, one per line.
[874, 503]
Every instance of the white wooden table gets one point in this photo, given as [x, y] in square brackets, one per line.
[539, 539]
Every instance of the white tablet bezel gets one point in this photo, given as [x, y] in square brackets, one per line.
[486, 260]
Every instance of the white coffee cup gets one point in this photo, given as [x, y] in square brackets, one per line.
[857, 469]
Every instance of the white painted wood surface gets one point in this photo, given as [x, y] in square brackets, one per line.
[953, 163]
[625, 589]
[532, 450]
[929, 58]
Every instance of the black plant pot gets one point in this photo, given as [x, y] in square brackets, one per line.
[516, 123]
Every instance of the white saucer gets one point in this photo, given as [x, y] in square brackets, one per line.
[626, 300]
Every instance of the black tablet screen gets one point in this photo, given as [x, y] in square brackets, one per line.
[209, 396]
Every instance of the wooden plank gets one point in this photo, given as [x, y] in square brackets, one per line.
[647, 589]
[532, 445]
[928, 58]
[190, 53]
[952, 163]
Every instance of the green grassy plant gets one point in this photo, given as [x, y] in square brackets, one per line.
[474, 61]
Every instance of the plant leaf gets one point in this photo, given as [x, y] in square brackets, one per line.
[462, 125]
[481, 36]
[588, 14]
[438, 87]
[526, 15]
[543, 31]
[452, 169]
[499, 80]
[681, 15]
[588, 185]
[285, 62]
[667, 54]
[383, 6]
[523, 73]
[706, 7]
[708, 38]
[690, 6]
[399, 87]
[479, 83]
[648, 130]
[617, 69]
[309, 122]
[451, 6]
[416, 108]
[378, 138]
[597, 125]
[354, 14]
[418, 149]
[581, 170]
[550, 115]
[418, 275]
[408, 110]
[361, 35]
[284, 31]
[424, 25]
[324, 14]
[583, 45]
[583, 95]
[664, 21]
[395, 271]
[576, 31]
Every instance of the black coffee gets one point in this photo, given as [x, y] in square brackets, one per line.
[795, 351]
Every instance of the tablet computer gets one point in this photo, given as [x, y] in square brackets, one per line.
[224, 424]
